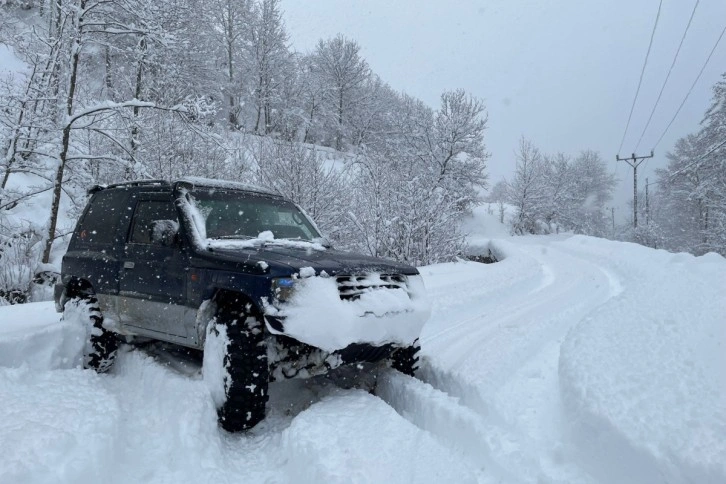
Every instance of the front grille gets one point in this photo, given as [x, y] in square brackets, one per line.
[352, 287]
[360, 352]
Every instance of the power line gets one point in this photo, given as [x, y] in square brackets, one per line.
[662, 88]
[692, 163]
[642, 71]
[692, 86]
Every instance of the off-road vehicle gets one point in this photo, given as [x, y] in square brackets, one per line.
[243, 275]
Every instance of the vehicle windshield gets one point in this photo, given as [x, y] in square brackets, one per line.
[235, 215]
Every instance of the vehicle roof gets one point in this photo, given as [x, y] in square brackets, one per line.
[190, 181]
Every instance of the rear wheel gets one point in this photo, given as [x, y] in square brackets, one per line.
[235, 365]
[101, 344]
[405, 359]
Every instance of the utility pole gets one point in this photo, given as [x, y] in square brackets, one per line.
[612, 216]
[634, 161]
[647, 207]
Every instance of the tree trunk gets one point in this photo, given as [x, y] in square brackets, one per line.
[339, 134]
[107, 64]
[137, 94]
[58, 182]
[233, 117]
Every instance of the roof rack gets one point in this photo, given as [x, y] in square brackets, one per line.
[134, 183]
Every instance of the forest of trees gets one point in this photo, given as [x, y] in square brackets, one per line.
[119, 90]
[687, 211]
[553, 193]
[683, 210]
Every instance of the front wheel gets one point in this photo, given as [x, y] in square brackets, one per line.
[101, 345]
[235, 365]
[405, 359]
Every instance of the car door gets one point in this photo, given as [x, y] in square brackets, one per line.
[153, 272]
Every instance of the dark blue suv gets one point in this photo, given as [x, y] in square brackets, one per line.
[240, 273]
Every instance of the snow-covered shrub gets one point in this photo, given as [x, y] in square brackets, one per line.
[20, 253]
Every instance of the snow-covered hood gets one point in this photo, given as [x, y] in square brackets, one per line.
[331, 261]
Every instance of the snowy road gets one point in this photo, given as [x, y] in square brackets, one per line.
[494, 341]
[502, 395]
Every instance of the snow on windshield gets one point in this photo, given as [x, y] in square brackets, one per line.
[232, 220]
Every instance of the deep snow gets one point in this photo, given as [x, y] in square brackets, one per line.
[574, 359]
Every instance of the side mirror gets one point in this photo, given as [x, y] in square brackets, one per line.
[323, 241]
[165, 233]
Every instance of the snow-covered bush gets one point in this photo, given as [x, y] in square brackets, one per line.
[20, 252]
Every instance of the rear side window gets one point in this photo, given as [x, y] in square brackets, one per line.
[152, 216]
[99, 223]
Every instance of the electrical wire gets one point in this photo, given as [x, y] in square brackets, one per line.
[694, 162]
[692, 86]
[662, 88]
[642, 71]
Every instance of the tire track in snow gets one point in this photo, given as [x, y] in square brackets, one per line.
[502, 365]
[455, 425]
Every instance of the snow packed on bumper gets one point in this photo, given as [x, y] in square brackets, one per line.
[316, 315]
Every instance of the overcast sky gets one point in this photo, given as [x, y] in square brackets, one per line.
[562, 73]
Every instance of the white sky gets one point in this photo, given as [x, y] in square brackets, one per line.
[562, 73]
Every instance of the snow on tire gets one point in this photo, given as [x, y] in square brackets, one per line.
[235, 367]
[101, 345]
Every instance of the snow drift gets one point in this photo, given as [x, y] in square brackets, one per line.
[643, 377]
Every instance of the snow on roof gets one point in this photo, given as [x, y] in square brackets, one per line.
[226, 185]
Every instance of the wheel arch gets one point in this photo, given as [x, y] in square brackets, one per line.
[223, 296]
[75, 287]
[218, 297]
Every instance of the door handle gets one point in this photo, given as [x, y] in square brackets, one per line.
[129, 265]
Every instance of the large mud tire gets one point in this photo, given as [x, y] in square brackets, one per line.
[405, 359]
[240, 335]
[101, 344]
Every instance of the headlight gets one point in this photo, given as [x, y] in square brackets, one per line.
[282, 288]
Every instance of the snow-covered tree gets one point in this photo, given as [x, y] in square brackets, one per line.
[412, 187]
[527, 190]
[693, 185]
[556, 192]
[342, 73]
[227, 32]
[498, 194]
[271, 63]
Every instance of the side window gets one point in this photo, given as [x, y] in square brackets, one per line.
[153, 220]
[100, 221]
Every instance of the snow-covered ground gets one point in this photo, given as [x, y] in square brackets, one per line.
[573, 359]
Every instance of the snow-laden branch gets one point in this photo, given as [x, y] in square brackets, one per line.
[108, 106]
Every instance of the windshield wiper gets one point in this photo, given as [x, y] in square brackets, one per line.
[233, 237]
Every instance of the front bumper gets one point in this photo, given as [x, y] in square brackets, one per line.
[317, 315]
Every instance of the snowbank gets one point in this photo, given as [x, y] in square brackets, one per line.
[643, 378]
[334, 441]
[32, 335]
[56, 424]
